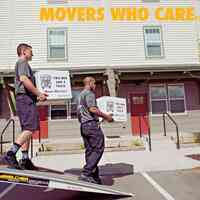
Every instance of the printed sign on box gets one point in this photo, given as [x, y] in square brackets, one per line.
[55, 83]
[114, 105]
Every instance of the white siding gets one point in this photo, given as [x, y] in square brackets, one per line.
[4, 33]
[85, 40]
[198, 22]
[104, 43]
[179, 38]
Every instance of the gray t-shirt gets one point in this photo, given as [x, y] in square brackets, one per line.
[87, 99]
[23, 68]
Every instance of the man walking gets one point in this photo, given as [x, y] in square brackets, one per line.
[91, 132]
[26, 96]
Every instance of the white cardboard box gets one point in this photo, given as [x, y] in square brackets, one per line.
[55, 83]
[114, 105]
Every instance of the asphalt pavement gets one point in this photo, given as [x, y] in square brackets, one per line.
[163, 174]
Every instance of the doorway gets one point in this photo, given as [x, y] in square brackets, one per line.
[139, 113]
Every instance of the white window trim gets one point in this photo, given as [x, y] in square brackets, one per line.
[66, 45]
[173, 114]
[160, 42]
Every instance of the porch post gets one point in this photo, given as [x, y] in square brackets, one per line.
[111, 82]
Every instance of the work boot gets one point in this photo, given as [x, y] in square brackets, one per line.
[96, 177]
[26, 164]
[10, 160]
[89, 179]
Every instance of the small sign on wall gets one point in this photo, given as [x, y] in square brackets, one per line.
[55, 83]
[115, 106]
[138, 100]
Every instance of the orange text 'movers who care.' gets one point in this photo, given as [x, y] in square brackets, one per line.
[89, 14]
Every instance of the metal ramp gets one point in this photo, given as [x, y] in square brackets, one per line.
[43, 185]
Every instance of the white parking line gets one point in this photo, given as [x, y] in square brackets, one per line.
[162, 191]
[8, 189]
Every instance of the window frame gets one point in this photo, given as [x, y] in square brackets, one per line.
[160, 42]
[68, 105]
[65, 45]
[165, 85]
[171, 99]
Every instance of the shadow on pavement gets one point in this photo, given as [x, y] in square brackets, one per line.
[108, 172]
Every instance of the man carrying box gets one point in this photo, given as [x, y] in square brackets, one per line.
[26, 96]
[88, 115]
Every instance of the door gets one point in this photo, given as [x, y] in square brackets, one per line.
[139, 113]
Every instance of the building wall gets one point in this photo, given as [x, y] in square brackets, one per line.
[197, 4]
[187, 122]
[1, 99]
[192, 90]
[103, 44]
[5, 34]
[198, 24]
[4, 107]
[97, 44]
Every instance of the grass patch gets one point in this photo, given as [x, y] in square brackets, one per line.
[82, 146]
[136, 142]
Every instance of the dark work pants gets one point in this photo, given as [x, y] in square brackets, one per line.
[27, 113]
[93, 139]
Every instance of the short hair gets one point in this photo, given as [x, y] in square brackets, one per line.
[88, 79]
[22, 47]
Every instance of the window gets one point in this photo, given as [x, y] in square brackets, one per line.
[158, 99]
[176, 98]
[68, 109]
[59, 111]
[57, 44]
[153, 42]
[167, 98]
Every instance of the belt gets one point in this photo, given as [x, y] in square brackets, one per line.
[19, 94]
[89, 121]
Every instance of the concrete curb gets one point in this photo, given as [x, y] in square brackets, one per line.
[76, 146]
[81, 151]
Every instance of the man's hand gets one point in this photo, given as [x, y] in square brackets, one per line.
[42, 96]
[109, 118]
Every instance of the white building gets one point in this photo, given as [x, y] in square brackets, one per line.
[157, 60]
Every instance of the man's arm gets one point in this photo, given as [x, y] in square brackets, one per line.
[23, 73]
[97, 112]
[92, 107]
[30, 87]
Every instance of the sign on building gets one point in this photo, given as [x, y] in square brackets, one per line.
[115, 106]
[55, 83]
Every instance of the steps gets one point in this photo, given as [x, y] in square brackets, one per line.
[71, 128]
